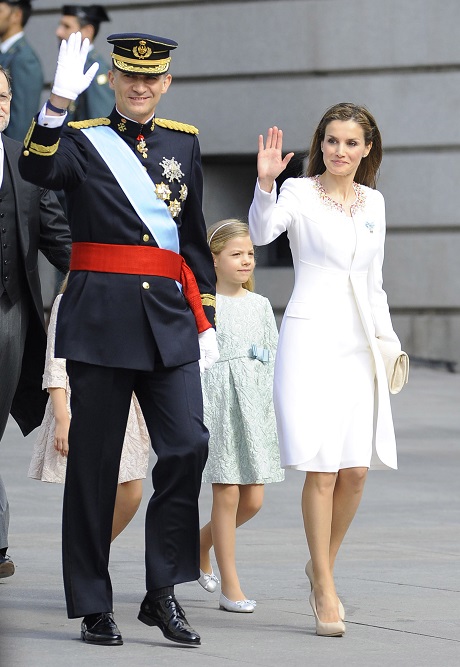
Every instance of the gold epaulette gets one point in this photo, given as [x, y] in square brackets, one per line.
[208, 300]
[91, 122]
[175, 125]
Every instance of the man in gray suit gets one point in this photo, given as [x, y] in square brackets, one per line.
[17, 56]
[31, 219]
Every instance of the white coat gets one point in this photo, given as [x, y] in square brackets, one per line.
[323, 269]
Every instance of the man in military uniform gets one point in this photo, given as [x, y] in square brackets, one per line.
[98, 99]
[17, 56]
[133, 318]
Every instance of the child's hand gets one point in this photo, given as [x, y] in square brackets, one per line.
[61, 436]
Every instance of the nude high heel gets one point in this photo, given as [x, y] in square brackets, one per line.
[310, 575]
[335, 629]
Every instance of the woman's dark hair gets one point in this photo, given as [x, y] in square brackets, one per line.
[368, 168]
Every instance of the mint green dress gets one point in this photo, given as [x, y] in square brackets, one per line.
[238, 394]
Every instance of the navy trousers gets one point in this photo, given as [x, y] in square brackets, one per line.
[171, 401]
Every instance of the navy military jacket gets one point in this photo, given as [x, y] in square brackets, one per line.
[112, 319]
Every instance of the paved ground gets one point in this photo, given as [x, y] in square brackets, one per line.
[398, 574]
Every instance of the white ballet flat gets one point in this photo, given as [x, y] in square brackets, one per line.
[208, 581]
[240, 606]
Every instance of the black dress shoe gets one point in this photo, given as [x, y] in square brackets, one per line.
[100, 629]
[169, 616]
[6, 566]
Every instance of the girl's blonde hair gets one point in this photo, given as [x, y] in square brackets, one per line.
[223, 231]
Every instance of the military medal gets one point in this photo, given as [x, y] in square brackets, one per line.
[141, 145]
[174, 208]
[183, 192]
[162, 191]
[171, 169]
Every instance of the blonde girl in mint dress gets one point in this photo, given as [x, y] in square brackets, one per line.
[238, 409]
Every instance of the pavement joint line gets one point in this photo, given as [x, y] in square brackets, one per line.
[405, 632]
[402, 583]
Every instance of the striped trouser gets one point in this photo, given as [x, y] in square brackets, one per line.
[13, 329]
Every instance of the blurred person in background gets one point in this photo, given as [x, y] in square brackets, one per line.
[98, 99]
[18, 57]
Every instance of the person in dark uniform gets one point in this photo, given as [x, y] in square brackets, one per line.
[137, 315]
[30, 220]
[98, 99]
[18, 57]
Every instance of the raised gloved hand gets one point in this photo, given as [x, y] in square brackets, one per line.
[70, 79]
[208, 349]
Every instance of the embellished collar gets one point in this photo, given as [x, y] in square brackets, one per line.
[357, 205]
[130, 128]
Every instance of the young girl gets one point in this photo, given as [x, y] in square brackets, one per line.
[238, 409]
[49, 459]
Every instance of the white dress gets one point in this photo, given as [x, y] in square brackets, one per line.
[238, 394]
[47, 464]
[331, 393]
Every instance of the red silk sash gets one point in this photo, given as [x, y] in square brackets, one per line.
[141, 260]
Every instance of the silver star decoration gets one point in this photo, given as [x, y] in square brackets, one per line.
[171, 169]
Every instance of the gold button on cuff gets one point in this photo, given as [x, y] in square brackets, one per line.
[146, 285]
[146, 238]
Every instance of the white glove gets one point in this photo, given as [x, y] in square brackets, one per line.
[70, 80]
[208, 349]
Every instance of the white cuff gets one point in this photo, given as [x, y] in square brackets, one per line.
[264, 192]
[50, 121]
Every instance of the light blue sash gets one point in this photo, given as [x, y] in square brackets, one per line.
[136, 184]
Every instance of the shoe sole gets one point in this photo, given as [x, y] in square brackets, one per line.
[236, 611]
[107, 642]
[143, 618]
[330, 634]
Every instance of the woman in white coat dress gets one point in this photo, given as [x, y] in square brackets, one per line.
[331, 393]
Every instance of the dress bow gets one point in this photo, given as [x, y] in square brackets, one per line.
[260, 353]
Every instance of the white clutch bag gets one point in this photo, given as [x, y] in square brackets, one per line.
[396, 365]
